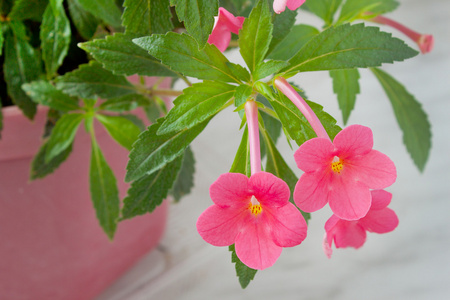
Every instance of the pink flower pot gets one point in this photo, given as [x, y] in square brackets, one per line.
[52, 246]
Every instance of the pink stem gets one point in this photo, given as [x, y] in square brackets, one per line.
[251, 112]
[415, 36]
[301, 104]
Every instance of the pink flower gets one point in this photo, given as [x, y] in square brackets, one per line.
[254, 214]
[342, 173]
[424, 41]
[379, 219]
[280, 5]
[225, 24]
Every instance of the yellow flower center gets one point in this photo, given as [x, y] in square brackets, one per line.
[337, 165]
[255, 206]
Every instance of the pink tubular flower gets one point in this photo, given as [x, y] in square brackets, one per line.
[342, 173]
[424, 41]
[379, 219]
[225, 24]
[254, 214]
[280, 5]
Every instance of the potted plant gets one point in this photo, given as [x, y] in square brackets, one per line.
[67, 65]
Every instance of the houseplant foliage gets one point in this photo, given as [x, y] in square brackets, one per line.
[76, 56]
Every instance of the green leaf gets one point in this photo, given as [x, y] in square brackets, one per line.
[353, 9]
[55, 39]
[104, 192]
[83, 20]
[241, 163]
[5, 6]
[149, 191]
[145, 17]
[294, 41]
[244, 273]
[43, 92]
[106, 10]
[346, 87]
[197, 103]
[255, 35]
[273, 126]
[151, 151]
[198, 17]
[28, 9]
[91, 81]
[120, 55]
[180, 52]
[282, 25]
[296, 124]
[56, 6]
[125, 103]
[135, 120]
[412, 119]
[62, 135]
[3, 29]
[239, 72]
[349, 46]
[41, 168]
[325, 9]
[22, 65]
[121, 129]
[267, 68]
[185, 178]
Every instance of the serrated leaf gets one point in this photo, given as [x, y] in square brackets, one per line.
[22, 65]
[151, 151]
[149, 191]
[296, 124]
[104, 192]
[120, 55]
[92, 81]
[180, 52]
[121, 129]
[41, 168]
[273, 126]
[255, 35]
[135, 120]
[83, 20]
[55, 39]
[185, 178]
[62, 134]
[239, 72]
[28, 9]
[411, 118]
[346, 87]
[145, 17]
[106, 10]
[325, 9]
[267, 68]
[349, 46]
[354, 8]
[294, 41]
[244, 273]
[43, 92]
[197, 103]
[282, 25]
[241, 163]
[198, 17]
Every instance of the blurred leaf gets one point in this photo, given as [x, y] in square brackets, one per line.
[83, 20]
[43, 92]
[411, 118]
[241, 163]
[41, 168]
[121, 129]
[28, 9]
[346, 87]
[354, 8]
[107, 10]
[185, 178]
[325, 9]
[282, 25]
[145, 17]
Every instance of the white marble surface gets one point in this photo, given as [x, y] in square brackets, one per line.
[413, 262]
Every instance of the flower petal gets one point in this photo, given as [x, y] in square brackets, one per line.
[380, 221]
[220, 37]
[225, 24]
[349, 234]
[314, 155]
[230, 189]
[374, 169]
[348, 199]
[279, 6]
[268, 189]
[229, 21]
[353, 140]
[255, 247]
[380, 199]
[326, 246]
[288, 225]
[311, 191]
[294, 4]
[220, 226]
